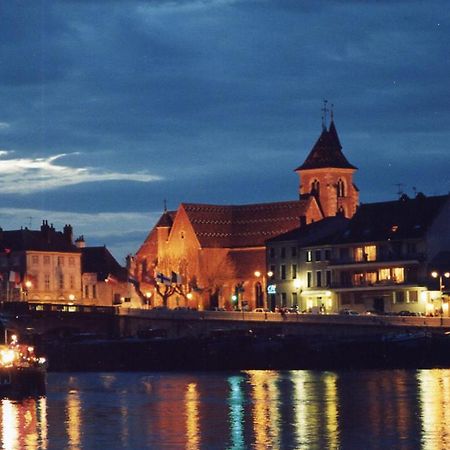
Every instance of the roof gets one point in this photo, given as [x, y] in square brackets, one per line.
[326, 152]
[99, 260]
[47, 240]
[244, 225]
[405, 218]
[166, 220]
[315, 233]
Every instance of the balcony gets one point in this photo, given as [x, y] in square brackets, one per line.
[387, 258]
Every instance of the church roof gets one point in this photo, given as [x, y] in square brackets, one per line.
[326, 152]
[166, 220]
[228, 226]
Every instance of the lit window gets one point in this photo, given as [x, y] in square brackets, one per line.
[398, 274]
[309, 256]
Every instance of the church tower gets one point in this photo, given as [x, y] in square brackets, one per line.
[328, 175]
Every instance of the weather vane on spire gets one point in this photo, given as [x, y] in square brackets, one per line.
[324, 114]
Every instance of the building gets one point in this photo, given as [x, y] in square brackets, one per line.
[40, 266]
[383, 260]
[298, 263]
[104, 280]
[217, 252]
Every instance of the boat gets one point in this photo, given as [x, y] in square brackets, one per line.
[22, 372]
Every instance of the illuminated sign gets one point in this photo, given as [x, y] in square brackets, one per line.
[272, 289]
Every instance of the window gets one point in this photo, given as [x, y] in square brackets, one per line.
[384, 274]
[283, 252]
[413, 297]
[340, 188]
[294, 271]
[308, 256]
[343, 254]
[411, 248]
[315, 187]
[327, 255]
[371, 278]
[271, 252]
[283, 299]
[319, 278]
[86, 291]
[399, 297]
[309, 279]
[35, 260]
[398, 274]
[294, 299]
[318, 255]
[71, 261]
[72, 282]
[94, 291]
[283, 272]
[47, 282]
[60, 261]
[46, 260]
[328, 278]
[293, 252]
[61, 281]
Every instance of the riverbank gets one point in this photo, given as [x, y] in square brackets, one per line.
[246, 350]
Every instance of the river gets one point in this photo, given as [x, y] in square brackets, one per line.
[370, 409]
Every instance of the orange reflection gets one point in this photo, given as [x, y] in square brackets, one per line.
[73, 414]
[192, 419]
[266, 415]
[23, 424]
[434, 394]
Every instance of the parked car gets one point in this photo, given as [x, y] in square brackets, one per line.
[348, 312]
[262, 310]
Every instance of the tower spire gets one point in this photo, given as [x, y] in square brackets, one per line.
[332, 113]
[324, 114]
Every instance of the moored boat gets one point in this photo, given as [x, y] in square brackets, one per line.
[22, 373]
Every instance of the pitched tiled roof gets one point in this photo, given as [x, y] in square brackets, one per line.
[45, 240]
[326, 152]
[401, 219]
[99, 260]
[166, 220]
[244, 225]
[316, 233]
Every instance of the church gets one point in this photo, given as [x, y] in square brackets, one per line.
[206, 256]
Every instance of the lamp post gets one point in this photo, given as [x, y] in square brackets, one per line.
[264, 286]
[440, 276]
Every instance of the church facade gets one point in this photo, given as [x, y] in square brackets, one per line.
[214, 256]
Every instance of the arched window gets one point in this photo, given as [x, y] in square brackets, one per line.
[340, 187]
[315, 187]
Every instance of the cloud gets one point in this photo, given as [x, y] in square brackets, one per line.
[27, 175]
[122, 233]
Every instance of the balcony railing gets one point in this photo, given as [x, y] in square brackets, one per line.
[379, 259]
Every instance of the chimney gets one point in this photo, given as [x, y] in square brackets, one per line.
[79, 242]
[68, 233]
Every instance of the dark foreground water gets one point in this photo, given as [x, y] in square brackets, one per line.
[393, 409]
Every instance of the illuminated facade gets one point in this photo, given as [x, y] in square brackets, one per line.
[217, 250]
[328, 176]
[41, 266]
[298, 261]
[380, 260]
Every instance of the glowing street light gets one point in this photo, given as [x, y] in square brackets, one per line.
[439, 275]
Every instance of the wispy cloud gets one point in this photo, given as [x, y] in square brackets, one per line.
[26, 175]
[4, 125]
[121, 232]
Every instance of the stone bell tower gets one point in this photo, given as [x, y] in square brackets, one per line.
[328, 175]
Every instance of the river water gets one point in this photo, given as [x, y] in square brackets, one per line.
[392, 409]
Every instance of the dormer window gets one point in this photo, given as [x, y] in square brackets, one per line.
[315, 187]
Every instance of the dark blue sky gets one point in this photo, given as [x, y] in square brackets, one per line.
[109, 107]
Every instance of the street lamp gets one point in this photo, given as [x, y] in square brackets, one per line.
[257, 274]
[439, 275]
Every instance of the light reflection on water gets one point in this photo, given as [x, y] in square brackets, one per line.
[241, 410]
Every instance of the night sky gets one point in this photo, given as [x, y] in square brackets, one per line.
[109, 107]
